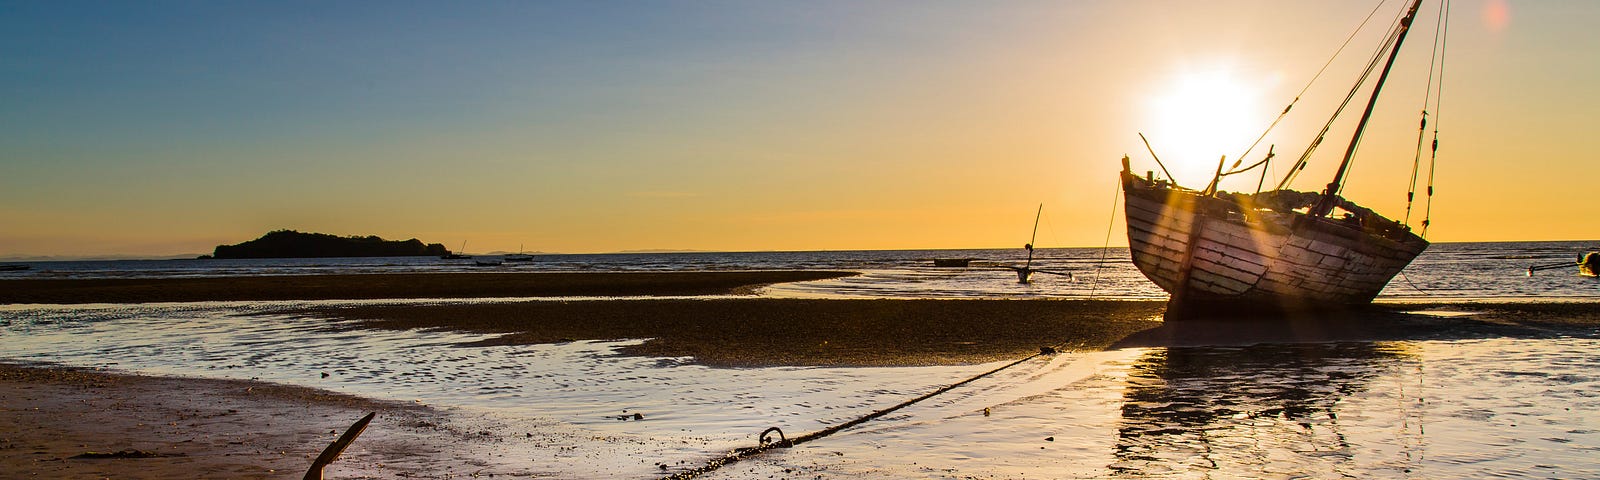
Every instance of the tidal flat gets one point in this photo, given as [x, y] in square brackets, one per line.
[649, 386]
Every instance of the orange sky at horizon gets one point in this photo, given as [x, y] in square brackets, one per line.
[577, 128]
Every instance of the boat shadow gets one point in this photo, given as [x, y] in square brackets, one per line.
[1368, 323]
[1247, 328]
[1239, 410]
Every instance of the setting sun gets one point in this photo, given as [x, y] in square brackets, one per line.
[1198, 117]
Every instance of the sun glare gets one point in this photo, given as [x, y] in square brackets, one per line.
[1198, 118]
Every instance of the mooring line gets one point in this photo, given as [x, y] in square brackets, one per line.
[1413, 285]
[1111, 223]
[764, 445]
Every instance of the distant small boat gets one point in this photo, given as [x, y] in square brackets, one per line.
[519, 256]
[1587, 264]
[14, 268]
[487, 263]
[459, 255]
[951, 262]
[1026, 271]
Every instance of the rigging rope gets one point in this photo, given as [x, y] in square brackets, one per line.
[1434, 64]
[1115, 196]
[1372, 63]
[1416, 160]
[1397, 33]
[1313, 80]
[1438, 102]
[1246, 169]
[1413, 284]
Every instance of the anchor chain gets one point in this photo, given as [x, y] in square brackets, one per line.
[764, 444]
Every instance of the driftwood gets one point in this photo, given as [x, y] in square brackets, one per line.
[337, 447]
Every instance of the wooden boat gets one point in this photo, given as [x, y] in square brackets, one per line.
[1226, 250]
[1277, 250]
[14, 268]
[952, 262]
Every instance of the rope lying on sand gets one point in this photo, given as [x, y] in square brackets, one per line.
[764, 444]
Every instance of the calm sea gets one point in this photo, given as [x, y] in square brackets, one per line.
[1476, 408]
[1445, 270]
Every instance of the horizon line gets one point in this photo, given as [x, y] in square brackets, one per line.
[195, 256]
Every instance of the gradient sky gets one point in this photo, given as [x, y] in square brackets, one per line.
[157, 128]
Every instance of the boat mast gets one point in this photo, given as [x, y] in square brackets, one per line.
[1329, 197]
[1027, 268]
[1035, 236]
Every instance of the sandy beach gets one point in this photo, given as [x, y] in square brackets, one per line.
[57, 419]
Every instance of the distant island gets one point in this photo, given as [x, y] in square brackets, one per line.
[293, 244]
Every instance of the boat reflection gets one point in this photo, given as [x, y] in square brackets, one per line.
[1267, 411]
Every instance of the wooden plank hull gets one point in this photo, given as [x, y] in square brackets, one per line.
[1223, 252]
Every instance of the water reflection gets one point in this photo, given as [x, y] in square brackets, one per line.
[1264, 411]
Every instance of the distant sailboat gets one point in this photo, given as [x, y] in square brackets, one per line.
[1280, 249]
[1026, 271]
[458, 255]
[519, 256]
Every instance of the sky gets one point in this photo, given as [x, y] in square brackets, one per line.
[169, 127]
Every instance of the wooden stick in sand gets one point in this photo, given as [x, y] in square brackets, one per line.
[337, 447]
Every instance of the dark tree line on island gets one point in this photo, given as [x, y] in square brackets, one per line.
[293, 244]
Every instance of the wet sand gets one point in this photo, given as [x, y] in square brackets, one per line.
[1384, 321]
[242, 429]
[55, 421]
[396, 285]
[757, 332]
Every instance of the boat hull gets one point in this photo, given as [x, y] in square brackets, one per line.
[1219, 252]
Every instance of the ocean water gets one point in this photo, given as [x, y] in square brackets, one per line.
[1498, 407]
[1445, 270]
